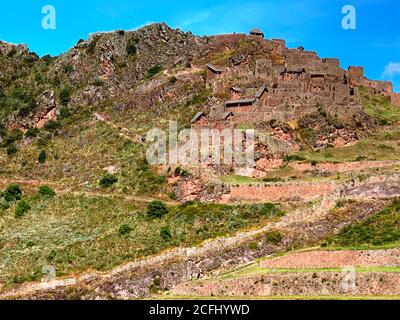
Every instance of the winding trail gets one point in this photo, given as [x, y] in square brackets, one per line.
[101, 118]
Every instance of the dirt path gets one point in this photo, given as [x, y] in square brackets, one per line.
[62, 190]
[121, 133]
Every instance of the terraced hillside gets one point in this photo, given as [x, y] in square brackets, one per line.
[83, 215]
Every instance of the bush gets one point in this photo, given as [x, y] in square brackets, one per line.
[52, 125]
[181, 172]
[42, 157]
[131, 47]
[165, 233]
[172, 195]
[46, 191]
[65, 96]
[253, 245]
[108, 180]
[156, 209]
[21, 208]
[13, 136]
[294, 157]
[68, 69]
[12, 193]
[64, 112]
[124, 230]
[153, 71]
[92, 45]
[11, 149]
[267, 210]
[272, 179]
[32, 133]
[172, 80]
[273, 237]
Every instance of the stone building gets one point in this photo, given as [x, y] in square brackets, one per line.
[257, 33]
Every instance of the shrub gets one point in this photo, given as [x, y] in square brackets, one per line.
[272, 179]
[172, 195]
[267, 210]
[92, 45]
[124, 230]
[383, 122]
[253, 245]
[172, 80]
[273, 237]
[65, 96]
[181, 172]
[12, 193]
[361, 158]
[156, 209]
[68, 69]
[42, 157]
[98, 83]
[21, 208]
[107, 180]
[165, 233]
[46, 191]
[153, 71]
[64, 112]
[13, 136]
[52, 125]
[131, 47]
[32, 133]
[294, 157]
[11, 149]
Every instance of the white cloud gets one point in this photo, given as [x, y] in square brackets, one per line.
[391, 69]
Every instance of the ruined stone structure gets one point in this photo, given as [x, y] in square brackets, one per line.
[294, 82]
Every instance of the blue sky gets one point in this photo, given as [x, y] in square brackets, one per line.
[316, 25]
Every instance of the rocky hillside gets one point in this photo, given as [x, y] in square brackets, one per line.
[78, 195]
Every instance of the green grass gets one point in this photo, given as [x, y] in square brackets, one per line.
[381, 146]
[79, 233]
[380, 229]
[79, 154]
[379, 107]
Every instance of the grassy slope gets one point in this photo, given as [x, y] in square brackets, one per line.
[76, 233]
[380, 230]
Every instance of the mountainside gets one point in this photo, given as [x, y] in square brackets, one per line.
[79, 195]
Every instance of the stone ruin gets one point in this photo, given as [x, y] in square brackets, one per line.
[298, 84]
[284, 85]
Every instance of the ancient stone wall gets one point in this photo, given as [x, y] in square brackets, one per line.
[282, 192]
[379, 86]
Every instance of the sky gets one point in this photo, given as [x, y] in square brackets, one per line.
[316, 25]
